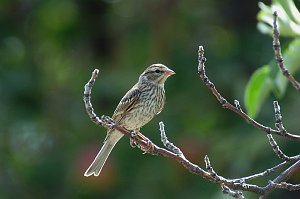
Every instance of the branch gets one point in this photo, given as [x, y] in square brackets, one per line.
[282, 178]
[172, 151]
[235, 108]
[287, 186]
[278, 55]
[278, 123]
[267, 172]
[169, 145]
[232, 187]
[278, 151]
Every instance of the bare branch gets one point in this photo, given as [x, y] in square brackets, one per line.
[169, 145]
[287, 186]
[278, 55]
[235, 108]
[232, 187]
[288, 173]
[277, 150]
[267, 172]
[283, 177]
[173, 152]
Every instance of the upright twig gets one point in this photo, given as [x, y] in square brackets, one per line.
[278, 55]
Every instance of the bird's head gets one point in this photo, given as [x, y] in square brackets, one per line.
[156, 73]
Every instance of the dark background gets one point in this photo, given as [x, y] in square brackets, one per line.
[48, 50]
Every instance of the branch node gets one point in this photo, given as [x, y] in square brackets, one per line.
[237, 105]
[210, 169]
[268, 130]
[278, 119]
[234, 194]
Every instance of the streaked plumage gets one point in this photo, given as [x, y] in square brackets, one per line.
[139, 105]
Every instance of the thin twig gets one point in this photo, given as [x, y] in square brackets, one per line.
[169, 145]
[278, 55]
[235, 108]
[267, 172]
[277, 150]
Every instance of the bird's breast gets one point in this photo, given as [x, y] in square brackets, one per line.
[150, 103]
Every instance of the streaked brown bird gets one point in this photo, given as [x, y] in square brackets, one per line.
[139, 105]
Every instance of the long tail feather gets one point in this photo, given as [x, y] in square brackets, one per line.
[99, 161]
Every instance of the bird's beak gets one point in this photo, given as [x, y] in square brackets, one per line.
[169, 72]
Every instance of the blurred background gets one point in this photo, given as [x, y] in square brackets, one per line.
[48, 50]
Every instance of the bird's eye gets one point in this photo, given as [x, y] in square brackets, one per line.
[157, 71]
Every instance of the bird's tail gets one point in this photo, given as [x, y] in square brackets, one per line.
[109, 143]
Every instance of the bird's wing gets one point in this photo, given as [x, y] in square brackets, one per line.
[129, 99]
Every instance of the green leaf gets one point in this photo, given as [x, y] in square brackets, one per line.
[270, 78]
[258, 88]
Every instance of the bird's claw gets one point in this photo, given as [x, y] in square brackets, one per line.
[149, 148]
[133, 143]
[137, 135]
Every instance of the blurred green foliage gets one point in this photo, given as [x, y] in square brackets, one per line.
[271, 78]
[48, 50]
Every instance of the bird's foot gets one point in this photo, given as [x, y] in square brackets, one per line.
[133, 143]
[148, 148]
[149, 144]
